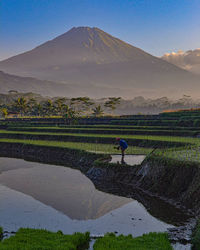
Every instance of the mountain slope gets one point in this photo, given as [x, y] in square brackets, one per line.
[90, 58]
[28, 84]
[78, 46]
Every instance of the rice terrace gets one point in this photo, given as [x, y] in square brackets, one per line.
[154, 191]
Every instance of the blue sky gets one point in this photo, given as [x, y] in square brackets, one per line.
[156, 26]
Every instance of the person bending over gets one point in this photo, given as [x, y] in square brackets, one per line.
[122, 145]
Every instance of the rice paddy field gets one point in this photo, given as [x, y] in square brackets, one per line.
[177, 139]
[169, 138]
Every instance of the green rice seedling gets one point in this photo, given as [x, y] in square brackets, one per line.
[155, 138]
[99, 148]
[38, 239]
[151, 241]
[107, 130]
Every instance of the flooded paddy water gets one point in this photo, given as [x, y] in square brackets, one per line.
[128, 159]
[59, 198]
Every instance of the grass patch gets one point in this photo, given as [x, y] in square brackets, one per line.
[186, 155]
[38, 239]
[91, 147]
[151, 241]
[196, 237]
[1, 233]
[126, 137]
[108, 130]
[100, 126]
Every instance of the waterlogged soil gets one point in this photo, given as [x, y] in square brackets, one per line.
[59, 198]
[128, 159]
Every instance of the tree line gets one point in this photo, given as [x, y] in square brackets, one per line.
[68, 108]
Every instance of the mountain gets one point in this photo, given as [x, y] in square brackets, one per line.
[90, 59]
[189, 60]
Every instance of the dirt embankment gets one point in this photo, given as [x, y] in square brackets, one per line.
[179, 185]
[78, 159]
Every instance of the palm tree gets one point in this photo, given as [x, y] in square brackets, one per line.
[32, 106]
[97, 111]
[71, 114]
[48, 107]
[21, 105]
[4, 112]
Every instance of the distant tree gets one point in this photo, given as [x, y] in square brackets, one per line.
[75, 105]
[98, 111]
[21, 105]
[38, 110]
[81, 104]
[71, 114]
[32, 107]
[4, 112]
[60, 106]
[112, 103]
[87, 103]
[48, 107]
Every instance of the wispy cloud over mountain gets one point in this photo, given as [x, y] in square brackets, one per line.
[189, 60]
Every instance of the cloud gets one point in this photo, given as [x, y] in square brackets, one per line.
[189, 60]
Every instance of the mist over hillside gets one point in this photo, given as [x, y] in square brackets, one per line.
[136, 105]
[49, 88]
[29, 84]
[91, 62]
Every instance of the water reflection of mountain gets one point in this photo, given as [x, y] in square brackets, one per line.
[64, 189]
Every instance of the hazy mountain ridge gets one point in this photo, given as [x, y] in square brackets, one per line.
[48, 88]
[28, 84]
[91, 60]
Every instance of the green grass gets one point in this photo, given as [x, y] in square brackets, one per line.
[190, 154]
[151, 241]
[196, 237]
[1, 233]
[187, 154]
[111, 127]
[142, 137]
[92, 147]
[37, 239]
[98, 130]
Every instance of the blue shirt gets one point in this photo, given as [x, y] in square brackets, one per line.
[123, 144]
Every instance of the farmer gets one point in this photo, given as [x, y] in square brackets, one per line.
[122, 145]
